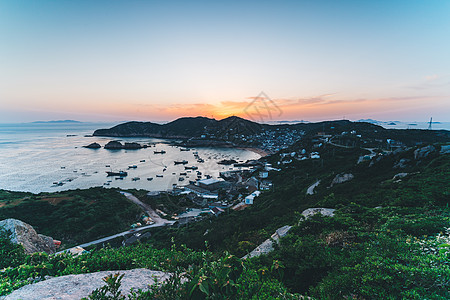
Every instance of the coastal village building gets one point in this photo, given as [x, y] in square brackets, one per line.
[249, 199]
[210, 184]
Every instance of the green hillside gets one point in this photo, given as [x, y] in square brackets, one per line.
[388, 238]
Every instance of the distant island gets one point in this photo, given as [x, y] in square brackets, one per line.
[56, 122]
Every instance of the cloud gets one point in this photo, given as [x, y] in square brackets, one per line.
[431, 82]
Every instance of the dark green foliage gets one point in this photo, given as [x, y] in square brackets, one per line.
[75, 216]
[10, 254]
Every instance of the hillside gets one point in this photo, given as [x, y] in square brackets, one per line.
[73, 217]
[239, 131]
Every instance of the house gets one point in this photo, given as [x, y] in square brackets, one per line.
[249, 199]
[263, 174]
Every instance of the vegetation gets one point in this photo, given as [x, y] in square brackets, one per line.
[389, 238]
[74, 216]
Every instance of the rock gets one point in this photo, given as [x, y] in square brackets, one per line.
[445, 149]
[132, 146]
[24, 234]
[328, 212]
[93, 146]
[267, 245]
[399, 176]
[423, 152]
[401, 164]
[341, 178]
[114, 145]
[79, 286]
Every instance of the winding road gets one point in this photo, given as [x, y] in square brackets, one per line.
[159, 222]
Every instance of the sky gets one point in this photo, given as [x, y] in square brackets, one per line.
[159, 60]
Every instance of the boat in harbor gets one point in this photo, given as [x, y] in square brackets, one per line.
[181, 179]
[120, 173]
[149, 178]
[182, 162]
[185, 149]
[160, 176]
[191, 168]
[135, 178]
[132, 167]
[159, 152]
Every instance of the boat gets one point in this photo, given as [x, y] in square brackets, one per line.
[183, 162]
[185, 149]
[143, 160]
[106, 183]
[160, 176]
[159, 152]
[132, 167]
[190, 168]
[108, 166]
[135, 178]
[195, 153]
[149, 178]
[119, 178]
[60, 183]
[181, 179]
[200, 160]
[183, 174]
[120, 173]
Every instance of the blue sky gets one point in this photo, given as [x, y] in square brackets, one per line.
[158, 60]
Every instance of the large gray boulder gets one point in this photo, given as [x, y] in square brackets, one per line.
[24, 234]
[327, 212]
[341, 178]
[114, 145]
[423, 152]
[75, 287]
[445, 149]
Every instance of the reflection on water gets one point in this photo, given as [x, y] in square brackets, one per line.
[47, 158]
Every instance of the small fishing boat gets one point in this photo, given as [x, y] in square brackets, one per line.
[120, 173]
[183, 162]
[135, 178]
[149, 178]
[191, 168]
[160, 176]
[159, 152]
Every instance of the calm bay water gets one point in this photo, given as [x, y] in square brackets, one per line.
[34, 156]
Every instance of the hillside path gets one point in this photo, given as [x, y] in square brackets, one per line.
[145, 207]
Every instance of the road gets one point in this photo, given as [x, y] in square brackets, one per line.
[146, 208]
[159, 222]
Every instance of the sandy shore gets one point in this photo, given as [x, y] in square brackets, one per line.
[256, 150]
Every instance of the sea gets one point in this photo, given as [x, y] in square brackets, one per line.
[50, 157]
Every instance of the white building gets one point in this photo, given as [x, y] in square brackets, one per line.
[249, 198]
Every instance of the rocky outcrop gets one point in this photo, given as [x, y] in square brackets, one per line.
[24, 234]
[93, 146]
[328, 212]
[402, 163]
[424, 152]
[114, 145]
[267, 245]
[445, 149]
[132, 146]
[341, 178]
[399, 176]
[75, 287]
